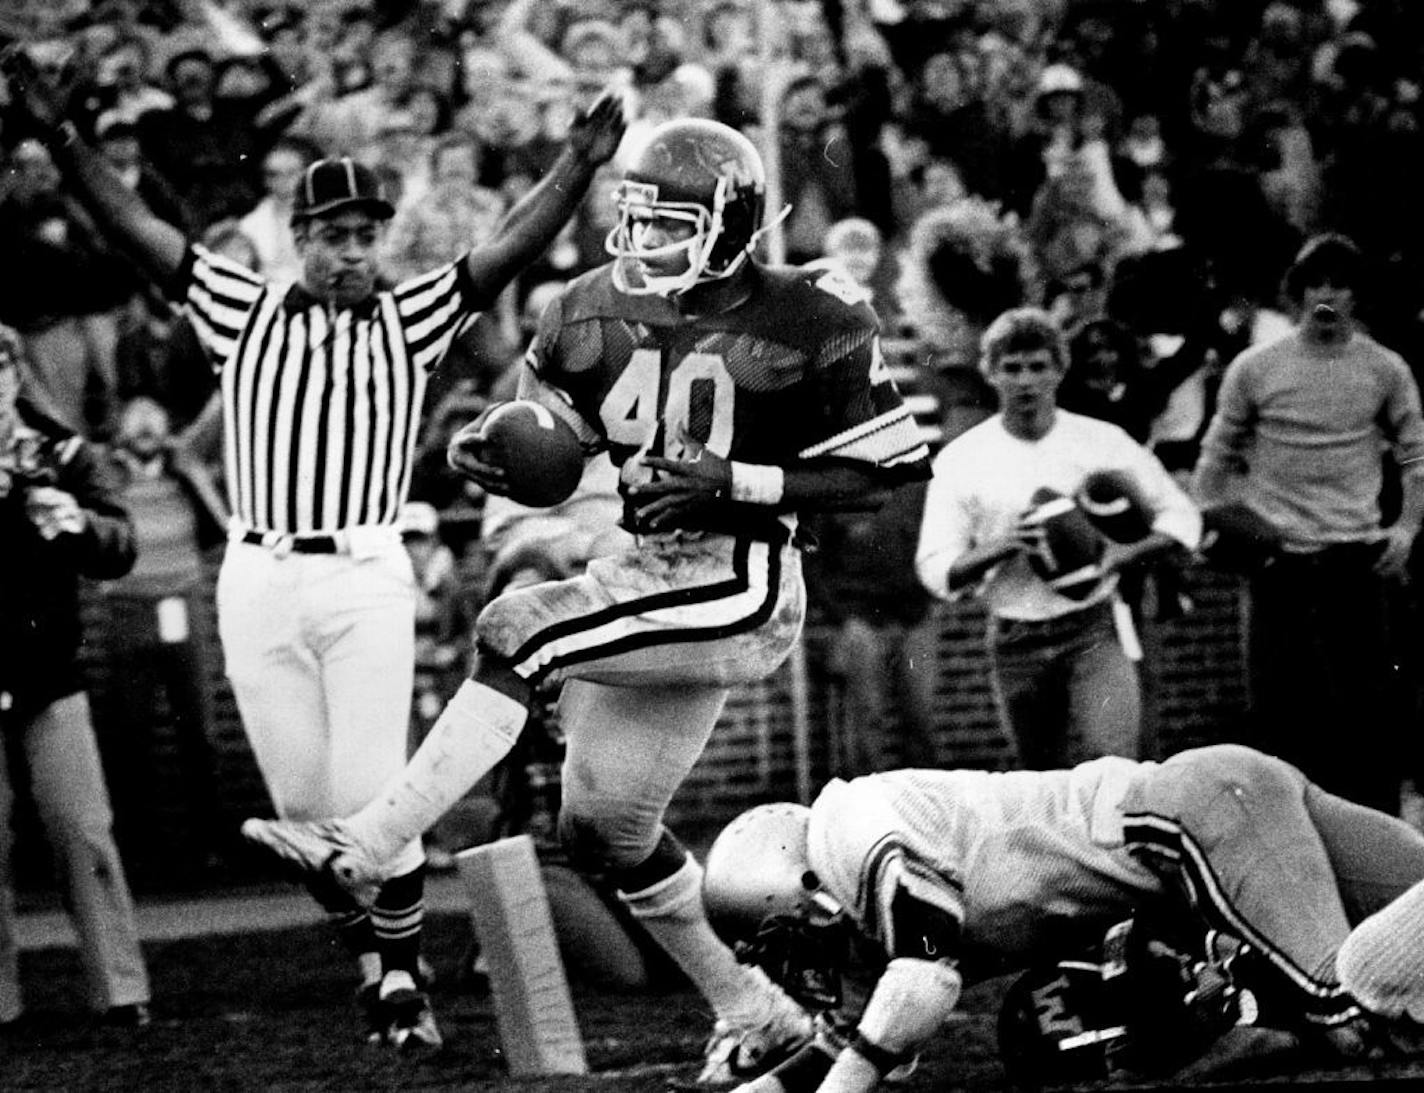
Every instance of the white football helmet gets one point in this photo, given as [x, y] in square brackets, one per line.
[694, 171]
[758, 867]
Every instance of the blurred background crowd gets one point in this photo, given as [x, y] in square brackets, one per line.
[1145, 170]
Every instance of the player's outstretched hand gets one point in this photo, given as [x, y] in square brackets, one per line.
[681, 487]
[598, 131]
[39, 100]
[466, 454]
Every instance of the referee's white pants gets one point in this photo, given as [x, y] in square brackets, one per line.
[320, 649]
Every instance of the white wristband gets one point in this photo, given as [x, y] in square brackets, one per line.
[757, 483]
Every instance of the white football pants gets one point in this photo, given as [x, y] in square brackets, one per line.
[320, 650]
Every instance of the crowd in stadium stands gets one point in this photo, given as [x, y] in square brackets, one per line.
[1145, 172]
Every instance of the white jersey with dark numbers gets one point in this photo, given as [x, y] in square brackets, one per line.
[1026, 862]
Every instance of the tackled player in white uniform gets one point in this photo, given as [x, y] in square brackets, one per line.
[956, 876]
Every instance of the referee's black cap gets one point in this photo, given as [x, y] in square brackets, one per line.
[339, 183]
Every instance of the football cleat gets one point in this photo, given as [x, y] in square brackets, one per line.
[412, 1022]
[340, 874]
[738, 1052]
[133, 1015]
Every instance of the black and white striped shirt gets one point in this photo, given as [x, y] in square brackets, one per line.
[321, 406]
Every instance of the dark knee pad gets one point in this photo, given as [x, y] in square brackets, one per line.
[495, 670]
[666, 859]
[589, 850]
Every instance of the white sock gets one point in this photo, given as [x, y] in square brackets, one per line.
[369, 965]
[396, 980]
[672, 913]
[474, 732]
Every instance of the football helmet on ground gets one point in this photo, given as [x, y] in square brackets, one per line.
[757, 867]
[764, 899]
[689, 171]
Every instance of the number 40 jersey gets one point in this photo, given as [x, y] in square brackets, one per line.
[792, 373]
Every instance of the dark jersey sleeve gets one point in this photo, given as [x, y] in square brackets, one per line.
[863, 417]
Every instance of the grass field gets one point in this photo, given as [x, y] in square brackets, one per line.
[271, 1012]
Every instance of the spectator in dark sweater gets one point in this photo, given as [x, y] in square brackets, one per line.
[881, 648]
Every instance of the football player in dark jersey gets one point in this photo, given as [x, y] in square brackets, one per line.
[733, 396]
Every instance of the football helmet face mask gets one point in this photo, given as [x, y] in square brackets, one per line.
[701, 182]
[765, 900]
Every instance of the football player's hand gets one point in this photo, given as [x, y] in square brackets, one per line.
[1394, 562]
[467, 454]
[1028, 533]
[681, 487]
[54, 512]
[598, 131]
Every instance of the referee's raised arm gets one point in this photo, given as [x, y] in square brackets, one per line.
[534, 222]
[118, 209]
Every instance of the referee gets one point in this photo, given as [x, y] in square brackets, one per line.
[322, 384]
